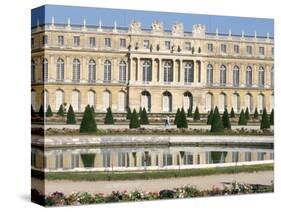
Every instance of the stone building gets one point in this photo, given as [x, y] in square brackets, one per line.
[154, 68]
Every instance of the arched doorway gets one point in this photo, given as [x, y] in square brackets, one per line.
[187, 101]
[167, 101]
[146, 100]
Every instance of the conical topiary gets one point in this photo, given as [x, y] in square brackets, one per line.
[189, 112]
[271, 119]
[247, 114]
[61, 111]
[217, 125]
[196, 115]
[232, 114]
[144, 117]
[225, 120]
[140, 111]
[93, 111]
[210, 117]
[256, 114]
[129, 114]
[134, 122]
[177, 116]
[49, 112]
[70, 117]
[41, 111]
[265, 124]
[181, 121]
[88, 123]
[242, 118]
[108, 117]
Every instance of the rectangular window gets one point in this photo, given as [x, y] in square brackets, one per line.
[187, 46]
[187, 158]
[249, 50]
[45, 39]
[272, 51]
[236, 49]
[121, 159]
[106, 159]
[122, 43]
[167, 45]
[76, 41]
[146, 44]
[235, 157]
[32, 42]
[74, 161]
[210, 47]
[261, 51]
[60, 40]
[248, 156]
[223, 48]
[92, 41]
[107, 42]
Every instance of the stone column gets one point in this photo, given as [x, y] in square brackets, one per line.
[99, 69]
[154, 71]
[115, 70]
[203, 73]
[161, 75]
[181, 72]
[195, 68]
[84, 70]
[255, 75]
[216, 74]
[139, 70]
[38, 69]
[52, 69]
[68, 69]
[242, 76]
[229, 74]
[175, 71]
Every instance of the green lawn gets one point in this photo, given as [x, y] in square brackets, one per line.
[98, 176]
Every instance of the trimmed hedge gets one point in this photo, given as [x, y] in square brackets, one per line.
[88, 123]
[144, 117]
[210, 117]
[196, 116]
[242, 118]
[70, 117]
[61, 111]
[49, 112]
[108, 117]
[265, 124]
[217, 125]
[225, 120]
[134, 122]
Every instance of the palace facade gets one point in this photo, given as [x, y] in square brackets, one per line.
[154, 68]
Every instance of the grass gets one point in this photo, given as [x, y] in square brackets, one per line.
[108, 176]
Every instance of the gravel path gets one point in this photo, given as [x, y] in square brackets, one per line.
[154, 185]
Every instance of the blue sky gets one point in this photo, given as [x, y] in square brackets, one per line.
[124, 18]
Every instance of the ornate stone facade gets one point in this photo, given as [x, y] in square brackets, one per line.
[157, 69]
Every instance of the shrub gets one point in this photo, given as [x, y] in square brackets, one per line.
[196, 115]
[189, 112]
[41, 111]
[265, 124]
[242, 118]
[144, 117]
[256, 114]
[177, 116]
[88, 123]
[232, 114]
[108, 117]
[93, 110]
[271, 119]
[88, 159]
[70, 117]
[61, 111]
[140, 111]
[210, 117]
[49, 112]
[225, 120]
[129, 114]
[134, 122]
[181, 121]
[217, 125]
[247, 114]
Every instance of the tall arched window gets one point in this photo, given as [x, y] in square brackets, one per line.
[76, 70]
[60, 70]
[75, 100]
[106, 100]
[59, 98]
[168, 71]
[122, 71]
[261, 102]
[261, 76]
[167, 101]
[249, 101]
[235, 76]
[122, 101]
[92, 71]
[222, 75]
[33, 100]
[222, 101]
[209, 101]
[146, 100]
[146, 71]
[91, 98]
[188, 72]
[187, 101]
[107, 71]
[235, 102]
[45, 70]
[249, 76]
[32, 71]
[209, 74]
[272, 77]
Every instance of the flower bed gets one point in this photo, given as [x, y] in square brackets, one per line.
[59, 199]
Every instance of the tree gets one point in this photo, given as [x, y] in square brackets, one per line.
[189, 112]
[134, 121]
[256, 114]
[61, 111]
[225, 120]
[144, 117]
[265, 124]
[177, 116]
[217, 125]
[108, 117]
[271, 119]
[232, 114]
[70, 117]
[93, 111]
[41, 111]
[32, 111]
[129, 114]
[210, 117]
[49, 112]
[196, 115]
[242, 118]
[181, 121]
[140, 111]
[88, 123]
[247, 114]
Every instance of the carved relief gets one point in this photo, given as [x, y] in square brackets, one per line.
[177, 29]
[198, 30]
[157, 27]
[135, 27]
